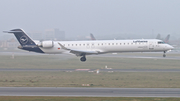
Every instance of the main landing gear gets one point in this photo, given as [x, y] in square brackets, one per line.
[164, 55]
[83, 59]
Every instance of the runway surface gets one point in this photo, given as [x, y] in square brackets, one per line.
[120, 55]
[90, 92]
[141, 57]
[94, 70]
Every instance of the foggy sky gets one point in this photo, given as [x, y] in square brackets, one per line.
[100, 17]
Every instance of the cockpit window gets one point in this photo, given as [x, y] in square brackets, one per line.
[160, 42]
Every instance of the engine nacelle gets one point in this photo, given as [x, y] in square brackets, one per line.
[46, 44]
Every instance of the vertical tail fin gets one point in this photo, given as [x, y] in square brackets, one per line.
[158, 36]
[92, 36]
[26, 42]
[166, 40]
[22, 37]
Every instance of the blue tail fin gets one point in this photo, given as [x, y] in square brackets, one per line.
[26, 42]
[23, 39]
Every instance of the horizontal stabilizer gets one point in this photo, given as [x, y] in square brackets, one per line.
[12, 31]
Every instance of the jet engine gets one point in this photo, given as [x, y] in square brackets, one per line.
[46, 44]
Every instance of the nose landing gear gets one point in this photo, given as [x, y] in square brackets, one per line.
[164, 55]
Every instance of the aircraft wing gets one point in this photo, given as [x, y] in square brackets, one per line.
[79, 52]
[82, 52]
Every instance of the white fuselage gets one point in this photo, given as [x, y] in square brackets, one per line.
[83, 48]
[110, 46]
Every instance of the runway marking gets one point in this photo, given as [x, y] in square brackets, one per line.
[89, 92]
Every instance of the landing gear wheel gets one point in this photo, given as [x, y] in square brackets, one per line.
[164, 55]
[83, 59]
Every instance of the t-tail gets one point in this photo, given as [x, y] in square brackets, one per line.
[25, 41]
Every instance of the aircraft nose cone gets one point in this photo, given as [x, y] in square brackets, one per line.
[170, 47]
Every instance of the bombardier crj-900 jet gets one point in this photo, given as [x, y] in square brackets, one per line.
[83, 48]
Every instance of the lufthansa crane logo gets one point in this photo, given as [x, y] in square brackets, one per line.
[24, 39]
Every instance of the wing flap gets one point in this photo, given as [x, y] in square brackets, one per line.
[83, 52]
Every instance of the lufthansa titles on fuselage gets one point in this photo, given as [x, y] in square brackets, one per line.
[140, 41]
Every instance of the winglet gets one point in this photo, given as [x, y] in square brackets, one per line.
[63, 46]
